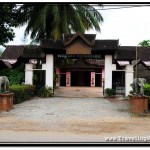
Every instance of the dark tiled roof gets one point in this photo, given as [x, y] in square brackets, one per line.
[88, 38]
[105, 45]
[51, 44]
[126, 53]
[140, 62]
[129, 53]
[5, 64]
[144, 53]
[33, 52]
[143, 71]
[100, 46]
[12, 52]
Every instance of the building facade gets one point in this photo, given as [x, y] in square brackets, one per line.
[81, 60]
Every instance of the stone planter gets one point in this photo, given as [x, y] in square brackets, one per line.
[139, 104]
[6, 101]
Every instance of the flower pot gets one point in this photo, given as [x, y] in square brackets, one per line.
[139, 104]
[6, 101]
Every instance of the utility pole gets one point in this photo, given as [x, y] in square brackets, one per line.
[136, 77]
[136, 62]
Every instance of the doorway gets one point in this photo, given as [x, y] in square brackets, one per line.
[39, 78]
[98, 80]
[80, 78]
[63, 79]
[118, 82]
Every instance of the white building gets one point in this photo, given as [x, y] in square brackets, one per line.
[95, 62]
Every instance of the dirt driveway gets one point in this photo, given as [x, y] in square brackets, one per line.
[79, 92]
[70, 120]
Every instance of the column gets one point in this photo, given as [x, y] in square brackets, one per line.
[109, 67]
[29, 74]
[68, 78]
[103, 76]
[93, 79]
[57, 76]
[128, 79]
[49, 67]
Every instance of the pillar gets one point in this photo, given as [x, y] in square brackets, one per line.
[109, 67]
[92, 78]
[29, 74]
[49, 68]
[58, 77]
[68, 78]
[103, 77]
[128, 79]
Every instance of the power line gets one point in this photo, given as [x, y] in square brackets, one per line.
[103, 6]
[101, 9]
[119, 7]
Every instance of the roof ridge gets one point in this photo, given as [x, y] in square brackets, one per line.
[81, 36]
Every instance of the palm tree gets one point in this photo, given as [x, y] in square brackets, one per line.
[51, 20]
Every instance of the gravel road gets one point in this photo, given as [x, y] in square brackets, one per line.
[59, 113]
[69, 119]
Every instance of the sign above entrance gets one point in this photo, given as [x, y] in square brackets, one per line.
[77, 56]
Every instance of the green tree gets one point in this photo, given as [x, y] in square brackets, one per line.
[52, 20]
[9, 18]
[145, 43]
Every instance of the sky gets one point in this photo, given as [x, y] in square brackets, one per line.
[129, 25]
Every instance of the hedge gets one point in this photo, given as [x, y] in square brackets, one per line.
[147, 89]
[22, 92]
[147, 92]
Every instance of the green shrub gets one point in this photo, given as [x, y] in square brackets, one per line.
[15, 75]
[147, 92]
[22, 92]
[110, 92]
[147, 89]
[45, 92]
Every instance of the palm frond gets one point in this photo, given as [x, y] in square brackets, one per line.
[51, 21]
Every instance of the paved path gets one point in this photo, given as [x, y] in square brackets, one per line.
[70, 120]
[79, 92]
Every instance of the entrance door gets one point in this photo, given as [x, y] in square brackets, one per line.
[80, 81]
[62, 79]
[74, 78]
[80, 78]
[87, 78]
[39, 78]
[98, 80]
[118, 82]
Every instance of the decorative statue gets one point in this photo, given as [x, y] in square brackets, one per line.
[5, 83]
[138, 86]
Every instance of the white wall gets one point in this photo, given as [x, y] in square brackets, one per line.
[49, 67]
[29, 74]
[109, 67]
[128, 79]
